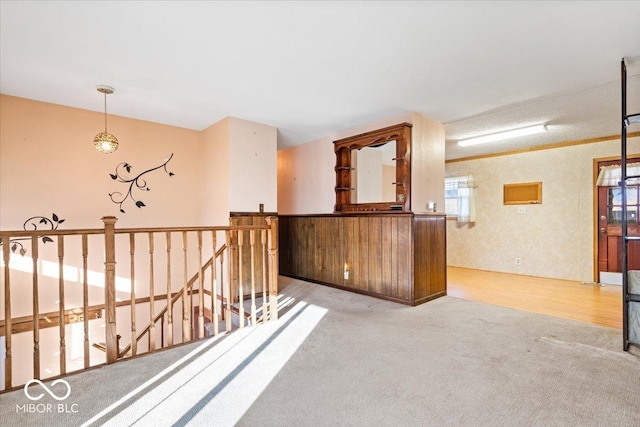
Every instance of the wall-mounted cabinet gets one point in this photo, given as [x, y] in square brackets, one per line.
[525, 193]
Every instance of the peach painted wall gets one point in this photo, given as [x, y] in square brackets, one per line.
[48, 164]
[427, 164]
[252, 166]
[215, 173]
[239, 169]
[306, 178]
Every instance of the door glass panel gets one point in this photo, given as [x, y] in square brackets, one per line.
[614, 205]
[632, 215]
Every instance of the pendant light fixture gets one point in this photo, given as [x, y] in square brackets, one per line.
[104, 141]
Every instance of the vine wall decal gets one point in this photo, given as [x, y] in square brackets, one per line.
[136, 182]
[32, 224]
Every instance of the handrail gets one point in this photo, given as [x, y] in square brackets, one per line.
[51, 318]
[27, 233]
[220, 251]
[236, 310]
[176, 229]
[162, 312]
[95, 231]
[224, 282]
[175, 298]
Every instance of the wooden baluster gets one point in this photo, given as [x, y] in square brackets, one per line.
[162, 331]
[134, 332]
[201, 289]
[214, 291]
[186, 316]
[240, 281]
[263, 235]
[227, 311]
[6, 253]
[272, 222]
[85, 299]
[36, 309]
[111, 334]
[233, 260]
[61, 319]
[169, 296]
[252, 238]
[152, 302]
[222, 287]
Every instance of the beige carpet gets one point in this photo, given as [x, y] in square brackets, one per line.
[340, 359]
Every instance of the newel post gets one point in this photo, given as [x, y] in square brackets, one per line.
[272, 222]
[8, 328]
[234, 262]
[111, 339]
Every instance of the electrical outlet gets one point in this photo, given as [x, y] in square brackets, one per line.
[522, 210]
[518, 261]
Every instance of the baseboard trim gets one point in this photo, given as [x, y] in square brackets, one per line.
[368, 293]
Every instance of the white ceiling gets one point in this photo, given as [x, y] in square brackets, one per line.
[314, 68]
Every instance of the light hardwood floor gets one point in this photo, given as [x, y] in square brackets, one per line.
[600, 305]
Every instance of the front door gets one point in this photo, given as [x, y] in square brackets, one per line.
[610, 229]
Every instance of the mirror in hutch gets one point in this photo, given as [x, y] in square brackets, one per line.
[373, 171]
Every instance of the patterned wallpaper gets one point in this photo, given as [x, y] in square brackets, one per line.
[553, 239]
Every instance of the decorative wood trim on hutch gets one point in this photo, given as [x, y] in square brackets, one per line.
[400, 133]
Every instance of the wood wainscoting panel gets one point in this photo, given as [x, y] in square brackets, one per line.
[387, 239]
[352, 250]
[404, 259]
[375, 254]
[430, 271]
[400, 257]
[285, 247]
[329, 248]
[360, 261]
[319, 255]
[303, 241]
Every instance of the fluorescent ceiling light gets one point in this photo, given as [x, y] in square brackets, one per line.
[530, 130]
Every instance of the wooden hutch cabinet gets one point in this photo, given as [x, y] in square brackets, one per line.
[372, 244]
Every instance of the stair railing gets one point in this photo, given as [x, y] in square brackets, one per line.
[165, 311]
[28, 292]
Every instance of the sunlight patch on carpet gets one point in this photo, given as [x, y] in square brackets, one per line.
[222, 382]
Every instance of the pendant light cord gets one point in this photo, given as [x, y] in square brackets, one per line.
[105, 112]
